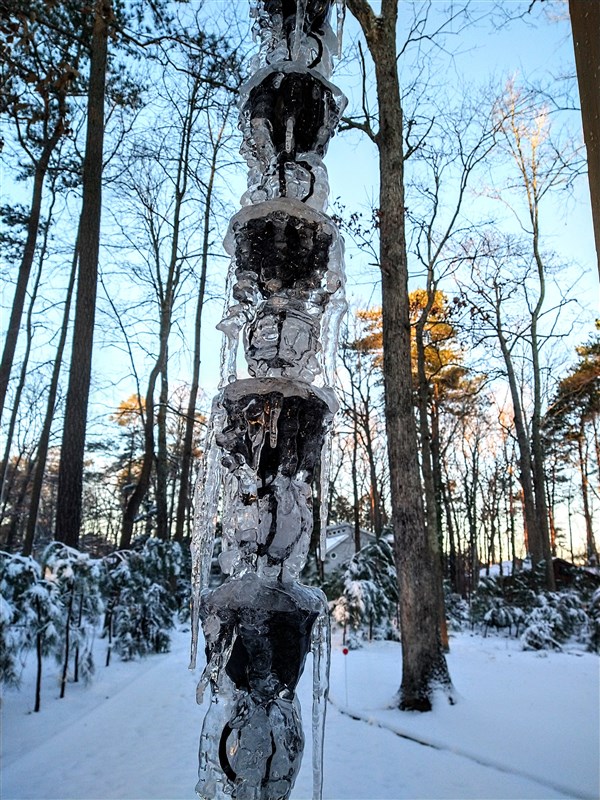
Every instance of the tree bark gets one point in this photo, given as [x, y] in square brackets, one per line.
[534, 535]
[585, 24]
[135, 500]
[21, 382]
[592, 554]
[423, 663]
[70, 479]
[162, 455]
[33, 225]
[44, 442]
[183, 501]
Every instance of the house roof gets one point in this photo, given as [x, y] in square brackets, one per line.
[333, 541]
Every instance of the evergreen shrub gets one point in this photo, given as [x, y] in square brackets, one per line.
[368, 602]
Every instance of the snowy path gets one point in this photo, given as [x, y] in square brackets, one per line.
[525, 726]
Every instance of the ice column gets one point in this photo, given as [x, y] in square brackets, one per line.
[269, 432]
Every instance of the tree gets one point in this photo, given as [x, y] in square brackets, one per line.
[41, 72]
[195, 98]
[217, 140]
[360, 399]
[423, 664]
[571, 420]
[110, 22]
[513, 285]
[585, 22]
[70, 479]
[44, 440]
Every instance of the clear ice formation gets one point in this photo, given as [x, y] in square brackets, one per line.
[270, 433]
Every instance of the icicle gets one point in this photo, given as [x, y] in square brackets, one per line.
[273, 419]
[289, 135]
[340, 17]
[286, 270]
[336, 308]
[203, 536]
[321, 648]
[299, 36]
[325, 472]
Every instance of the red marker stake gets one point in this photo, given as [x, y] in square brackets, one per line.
[345, 652]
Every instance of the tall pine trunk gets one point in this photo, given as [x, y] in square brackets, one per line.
[423, 663]
[70, 477]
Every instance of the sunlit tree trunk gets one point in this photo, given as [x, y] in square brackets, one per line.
[592, 553]
[44, 442]
[183, 502]
[70, 479]
[33, 225]
[423, 664]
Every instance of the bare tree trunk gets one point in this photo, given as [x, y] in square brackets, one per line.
[21, 382]
[355, 496]
[423, 663]
[376, 514]
[33, 224]
[592, 553]
[537, 448]
[534, 535]
[431, 506]
[44, 443]
[65, 669]
[162, 455]
[39, 662]
[19, 507]
[135, 499]
[70, 479]
[183, 502]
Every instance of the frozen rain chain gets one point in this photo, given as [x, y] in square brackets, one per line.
[270, 432]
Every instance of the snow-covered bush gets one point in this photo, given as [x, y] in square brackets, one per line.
[594, 623]
[31, 617]
[369, 598]
[540, 628]
[501, 615]
[77, 578]
[457, 609]
[141, 587]
[46, 612]
[517, 603]
[558, 617]
[17, 575]
[485, 599]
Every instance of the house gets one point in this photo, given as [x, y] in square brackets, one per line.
[339, 545]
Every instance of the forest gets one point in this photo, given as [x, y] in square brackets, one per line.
[121, 171]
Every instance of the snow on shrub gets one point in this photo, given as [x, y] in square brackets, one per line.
[370, 593]
[17, 575]
[593, 641]
[55, 607]
[517, 603]
[77, 577]
[31, 617]
[558, 617]
[141, 586]
[457, 609]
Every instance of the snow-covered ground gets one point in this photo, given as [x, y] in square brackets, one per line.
[526, 725]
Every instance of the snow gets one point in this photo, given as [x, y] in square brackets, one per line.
[493, 570]
[525, 725]
[333, 541]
